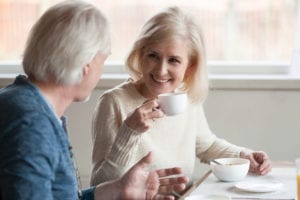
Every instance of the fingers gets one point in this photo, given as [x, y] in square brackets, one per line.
[141, 119]
[150, 104]
[169, 171]
[253, 164]
[169, 183]
[265, 168]
[168, 189]
[170, 176]
[265, 163]
[174, 181]
[164, 197]
[151, 108]
[260, 163]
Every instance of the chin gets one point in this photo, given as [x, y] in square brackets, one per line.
[161, 88]
[82, 99]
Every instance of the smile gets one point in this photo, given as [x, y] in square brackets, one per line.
[160, 80]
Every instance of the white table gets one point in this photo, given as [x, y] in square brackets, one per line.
[284, 172]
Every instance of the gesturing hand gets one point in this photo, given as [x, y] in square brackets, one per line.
[139, 183]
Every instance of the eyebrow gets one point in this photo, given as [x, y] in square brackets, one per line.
[177, 57]
[152, 51]
[157, 52]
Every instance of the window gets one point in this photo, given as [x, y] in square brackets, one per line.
[237, 33]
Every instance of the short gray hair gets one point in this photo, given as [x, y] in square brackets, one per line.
[65, 38]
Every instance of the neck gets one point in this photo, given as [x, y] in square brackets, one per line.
[60, 97]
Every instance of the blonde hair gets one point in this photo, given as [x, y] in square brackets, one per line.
[174, 23]
[65, 38]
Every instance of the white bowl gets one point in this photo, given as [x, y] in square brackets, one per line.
[232, 169]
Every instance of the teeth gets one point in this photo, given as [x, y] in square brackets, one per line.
[161, 80]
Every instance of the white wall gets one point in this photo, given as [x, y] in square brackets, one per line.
[262, 119]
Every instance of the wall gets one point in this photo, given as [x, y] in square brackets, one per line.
[262, 119]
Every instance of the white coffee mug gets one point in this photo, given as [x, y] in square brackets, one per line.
[172, 103]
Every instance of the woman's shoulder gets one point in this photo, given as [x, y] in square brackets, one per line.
[195, 109]
[123, 90]
[123, 96]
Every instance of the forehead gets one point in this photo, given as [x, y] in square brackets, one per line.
[178, 47]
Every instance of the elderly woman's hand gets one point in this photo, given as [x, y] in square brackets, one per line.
[260, 163]
[142, 117]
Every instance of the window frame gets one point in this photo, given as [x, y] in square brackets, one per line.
[281, 77]
[214, 68]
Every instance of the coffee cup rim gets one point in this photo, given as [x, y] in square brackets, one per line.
[171, 94]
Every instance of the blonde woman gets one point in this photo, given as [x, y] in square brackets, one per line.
[168, 56]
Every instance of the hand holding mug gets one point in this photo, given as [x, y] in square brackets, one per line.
[142, 117]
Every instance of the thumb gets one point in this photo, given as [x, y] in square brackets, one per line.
[145, 161]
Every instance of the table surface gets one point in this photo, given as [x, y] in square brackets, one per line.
[283, 171]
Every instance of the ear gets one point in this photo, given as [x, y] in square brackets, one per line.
[188, 73]
[189, 70]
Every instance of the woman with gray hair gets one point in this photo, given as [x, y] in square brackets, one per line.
[63, 61]
[167, 57]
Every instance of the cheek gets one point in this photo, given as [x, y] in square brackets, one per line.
[147, 67]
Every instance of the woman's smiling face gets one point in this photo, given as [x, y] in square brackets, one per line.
[163, 67]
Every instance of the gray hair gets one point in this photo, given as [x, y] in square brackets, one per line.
[65, 38]
[171, 24]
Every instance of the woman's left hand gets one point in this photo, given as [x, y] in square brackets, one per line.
[260, 163]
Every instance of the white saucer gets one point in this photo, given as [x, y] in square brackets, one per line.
[208, 197]
[259, 186]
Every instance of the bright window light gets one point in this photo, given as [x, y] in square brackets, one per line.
[235, 31]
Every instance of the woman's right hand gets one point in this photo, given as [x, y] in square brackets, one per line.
[141, 118]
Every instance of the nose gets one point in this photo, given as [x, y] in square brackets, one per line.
[162, 68]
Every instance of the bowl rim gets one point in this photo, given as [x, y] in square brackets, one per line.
[243, 161]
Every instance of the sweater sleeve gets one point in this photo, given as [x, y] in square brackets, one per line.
[114, 142]
[209, 146]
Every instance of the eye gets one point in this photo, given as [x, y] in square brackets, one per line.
[174, 60]
[153, 55]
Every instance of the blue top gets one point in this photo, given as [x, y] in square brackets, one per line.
[35, 157]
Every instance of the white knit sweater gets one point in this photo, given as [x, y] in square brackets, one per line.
[174, 140]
